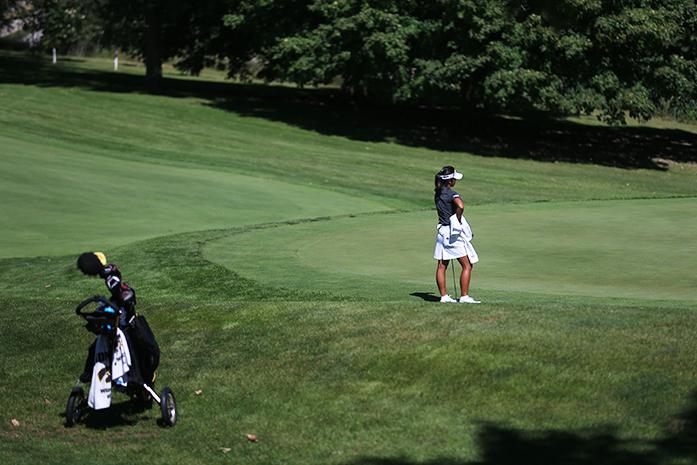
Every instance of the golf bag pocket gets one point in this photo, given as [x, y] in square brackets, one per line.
[100, 387]
[146, 348]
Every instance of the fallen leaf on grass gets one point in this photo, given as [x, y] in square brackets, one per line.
[198, 392]
[251, 438]
[48, 402]
[15, 422]
[47, 286]
[225, 449]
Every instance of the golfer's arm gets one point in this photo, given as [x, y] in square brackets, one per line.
[460, 207]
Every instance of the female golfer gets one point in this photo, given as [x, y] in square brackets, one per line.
[453, 236]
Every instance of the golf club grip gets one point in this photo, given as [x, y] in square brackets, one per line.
[84, 303]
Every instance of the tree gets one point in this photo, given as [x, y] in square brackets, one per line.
[237, 32]
[367, 44]
[7, 8]
[558, 57]
[63, 24]
[611, 56]
[155, 30]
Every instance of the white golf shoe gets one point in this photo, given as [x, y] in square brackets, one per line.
[446, 299]
[466, 299]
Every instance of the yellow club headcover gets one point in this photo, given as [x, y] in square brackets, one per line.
[101, 257]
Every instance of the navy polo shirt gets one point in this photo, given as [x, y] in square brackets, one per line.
[445, 205]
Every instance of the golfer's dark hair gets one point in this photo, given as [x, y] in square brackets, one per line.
[440, 183]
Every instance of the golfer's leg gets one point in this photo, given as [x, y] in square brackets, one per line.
[466, 274]
[440, 276]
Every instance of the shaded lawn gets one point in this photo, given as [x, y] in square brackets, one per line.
[330, 112]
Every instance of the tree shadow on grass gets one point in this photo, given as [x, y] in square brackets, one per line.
[481, 134]
[509, 446]
[331, 112]
[680, 440]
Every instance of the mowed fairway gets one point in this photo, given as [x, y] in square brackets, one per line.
[287, 273]
[82, 195]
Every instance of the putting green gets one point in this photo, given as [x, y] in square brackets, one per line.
[58, 199]
[643, 249]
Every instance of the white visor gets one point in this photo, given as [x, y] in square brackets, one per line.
[454, 175]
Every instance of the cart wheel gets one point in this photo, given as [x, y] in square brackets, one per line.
[169, 407]
[75, 407]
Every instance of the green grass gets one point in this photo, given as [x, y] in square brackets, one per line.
[73, 190]
[276, 261]
[641, 249]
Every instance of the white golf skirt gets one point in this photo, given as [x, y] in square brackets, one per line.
[452, 247]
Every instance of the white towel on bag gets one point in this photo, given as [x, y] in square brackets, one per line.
[121, 362]
[100, 386]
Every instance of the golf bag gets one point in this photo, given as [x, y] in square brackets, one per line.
[123, 358]
[144, 351]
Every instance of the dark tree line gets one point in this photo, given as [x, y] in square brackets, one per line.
[560, 57]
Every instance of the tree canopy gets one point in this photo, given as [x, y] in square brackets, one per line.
[7, 8]
[63, 24]
[559, 57]
[608, 57]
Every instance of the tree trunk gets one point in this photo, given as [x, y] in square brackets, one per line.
[153, 53]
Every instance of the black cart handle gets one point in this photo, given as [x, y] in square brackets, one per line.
[86, 302]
